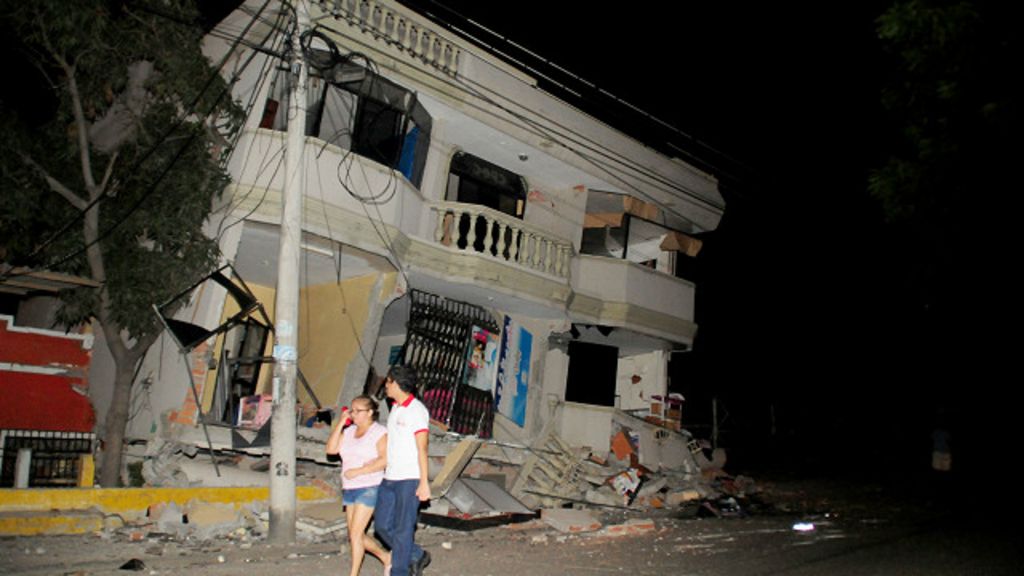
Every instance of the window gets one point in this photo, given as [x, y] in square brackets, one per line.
[472, 180]
[611, 228]
[592, 371]
[355, 109]
[476, 181]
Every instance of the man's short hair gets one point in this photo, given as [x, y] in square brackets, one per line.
[405, 377]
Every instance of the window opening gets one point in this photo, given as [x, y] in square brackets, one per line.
[472, 180]
[355, 109]
[592, 370]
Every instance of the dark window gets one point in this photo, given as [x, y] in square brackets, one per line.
[592, 369]
[476, 181]
[357, 110]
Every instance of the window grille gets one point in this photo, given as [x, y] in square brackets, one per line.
[438, 343]
[55, 456]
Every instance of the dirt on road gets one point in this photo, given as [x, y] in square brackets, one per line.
[791, 523]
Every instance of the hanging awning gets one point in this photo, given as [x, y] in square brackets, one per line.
[23, 281]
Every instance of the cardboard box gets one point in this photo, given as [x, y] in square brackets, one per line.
[657, 406]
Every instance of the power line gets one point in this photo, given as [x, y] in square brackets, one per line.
[587, 85]
[581, 140]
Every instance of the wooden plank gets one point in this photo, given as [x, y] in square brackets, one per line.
[454, 463]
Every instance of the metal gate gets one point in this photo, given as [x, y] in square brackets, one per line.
[437, 344]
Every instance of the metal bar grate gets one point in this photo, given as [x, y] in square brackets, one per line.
[55, 456]
[437, 344]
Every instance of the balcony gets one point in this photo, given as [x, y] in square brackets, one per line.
[616, 292]
[491, 234]
[392, 25]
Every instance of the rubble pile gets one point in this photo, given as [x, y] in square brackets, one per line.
[475, 483]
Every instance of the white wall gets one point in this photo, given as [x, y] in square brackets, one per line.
[558, 211]
[586, 425]
[651, 368]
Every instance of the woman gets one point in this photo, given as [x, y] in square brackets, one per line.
[362, 444]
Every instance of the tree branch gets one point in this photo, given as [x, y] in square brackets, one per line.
[54, 184]
[82, 129]
[109, 171]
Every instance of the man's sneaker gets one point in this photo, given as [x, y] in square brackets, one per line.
[421, 564]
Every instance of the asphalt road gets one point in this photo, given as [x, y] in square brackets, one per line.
[875, 540]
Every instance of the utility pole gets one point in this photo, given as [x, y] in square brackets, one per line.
[286, 306]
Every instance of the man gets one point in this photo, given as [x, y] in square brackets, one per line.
[405, 482]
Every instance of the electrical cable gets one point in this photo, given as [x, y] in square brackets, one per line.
[594, 147]
[257, 90]
[588, 84]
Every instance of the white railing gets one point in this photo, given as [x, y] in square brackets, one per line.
[493, 234]
[399, 29]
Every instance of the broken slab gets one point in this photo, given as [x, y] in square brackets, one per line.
[454, 463]
[475, 496]
[632, 527]
[570, 520]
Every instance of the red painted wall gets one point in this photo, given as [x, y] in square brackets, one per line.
[43, 380]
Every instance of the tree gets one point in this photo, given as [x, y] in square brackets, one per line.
[115, 181]
[954, 104]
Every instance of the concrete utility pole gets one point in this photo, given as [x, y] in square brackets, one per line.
[286, 307]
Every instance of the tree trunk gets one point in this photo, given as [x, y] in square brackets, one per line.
[115, 425]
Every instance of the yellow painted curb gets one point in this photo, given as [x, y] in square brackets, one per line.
[36, 523]
[126, 501]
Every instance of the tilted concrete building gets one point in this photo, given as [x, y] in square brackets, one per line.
[520, 252]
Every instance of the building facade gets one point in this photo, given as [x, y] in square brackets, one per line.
[525, 256]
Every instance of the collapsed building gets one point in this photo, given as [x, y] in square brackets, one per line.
[528, 259]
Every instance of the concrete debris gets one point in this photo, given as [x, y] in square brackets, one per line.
[570, 520]
[208, 520]
[320, 518]
[632, 527]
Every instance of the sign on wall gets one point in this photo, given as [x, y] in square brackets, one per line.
[482, 359]
[513, 371]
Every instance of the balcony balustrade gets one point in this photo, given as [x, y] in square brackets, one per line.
[399, 29]
[493, 234]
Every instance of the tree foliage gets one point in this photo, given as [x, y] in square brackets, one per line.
[115, 180]
[954, 97]
[954, 103]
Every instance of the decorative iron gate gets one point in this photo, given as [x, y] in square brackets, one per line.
[437, 344]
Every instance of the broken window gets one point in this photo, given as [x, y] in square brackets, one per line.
[620, 226]
[474, 180]
[355, 109]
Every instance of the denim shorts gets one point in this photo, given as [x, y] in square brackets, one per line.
[365, 496]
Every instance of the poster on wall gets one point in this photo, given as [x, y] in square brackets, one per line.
[513, 371]
[482, 363]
